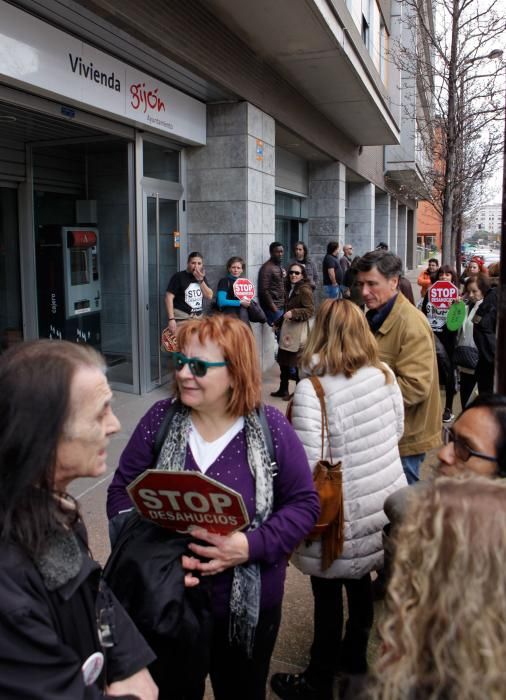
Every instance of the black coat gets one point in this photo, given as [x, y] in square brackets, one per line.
[146, 574]
[484, 330]
[48, 625]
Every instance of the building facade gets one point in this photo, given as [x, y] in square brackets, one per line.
[134, 133]
[486, 218]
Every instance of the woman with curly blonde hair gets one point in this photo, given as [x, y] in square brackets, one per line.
[444, 635]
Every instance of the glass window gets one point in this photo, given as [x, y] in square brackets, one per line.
[160, 162]
[11, 326]
[290, 219]
[99, 310]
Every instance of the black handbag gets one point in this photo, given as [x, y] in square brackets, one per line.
[465, 356]
[255, 313]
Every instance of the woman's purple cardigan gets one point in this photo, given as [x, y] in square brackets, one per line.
[296, 503]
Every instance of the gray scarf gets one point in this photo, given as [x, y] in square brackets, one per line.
[246, 583]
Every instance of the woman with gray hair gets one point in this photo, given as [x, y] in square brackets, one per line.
[63, 633]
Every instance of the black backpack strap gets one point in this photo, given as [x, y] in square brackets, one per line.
[268, 438]
[164, 428]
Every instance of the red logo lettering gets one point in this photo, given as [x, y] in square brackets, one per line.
[145, 99]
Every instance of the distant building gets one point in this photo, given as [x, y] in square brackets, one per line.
[486, 218]
[429, 226]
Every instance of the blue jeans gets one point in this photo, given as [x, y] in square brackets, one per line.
[272, 316]
[333, 292]
[411, 466]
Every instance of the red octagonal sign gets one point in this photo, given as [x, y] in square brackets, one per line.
[244, 289]
[176, 500]
[442, 294]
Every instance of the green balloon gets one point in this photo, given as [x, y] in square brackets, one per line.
[456, 316]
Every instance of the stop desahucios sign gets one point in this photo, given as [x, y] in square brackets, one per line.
[177, 500]
[244, 289]
[443, 294]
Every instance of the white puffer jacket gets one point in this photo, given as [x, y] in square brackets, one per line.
[366, 421]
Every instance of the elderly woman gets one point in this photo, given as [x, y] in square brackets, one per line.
[299, 308]
[63, 633]
[365, 421]
[217, 430]
[445, 626]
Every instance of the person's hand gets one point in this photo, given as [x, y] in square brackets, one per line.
[288, 315]
[172, 326]
[223, 552]
[139, 684]
[245, 302]
[199, 275]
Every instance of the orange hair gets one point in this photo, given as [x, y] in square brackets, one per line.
[237, 343]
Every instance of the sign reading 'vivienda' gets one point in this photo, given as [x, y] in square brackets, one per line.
[55, 64]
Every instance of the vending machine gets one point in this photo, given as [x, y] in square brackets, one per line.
[68, 283]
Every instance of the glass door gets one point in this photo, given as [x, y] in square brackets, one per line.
[161, 220]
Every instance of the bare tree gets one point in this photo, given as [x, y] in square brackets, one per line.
[454, 55]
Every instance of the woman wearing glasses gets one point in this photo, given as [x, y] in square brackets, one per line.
[216, 430]
[299, 308]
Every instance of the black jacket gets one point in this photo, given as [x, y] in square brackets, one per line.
[146, 574]
[48, 624]
[271, 286]
[484, 330]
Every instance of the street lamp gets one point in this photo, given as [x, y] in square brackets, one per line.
[500, 368]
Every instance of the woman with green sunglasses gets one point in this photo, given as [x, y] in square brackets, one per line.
[216, 430]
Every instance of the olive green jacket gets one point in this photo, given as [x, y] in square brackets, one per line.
[406, 344]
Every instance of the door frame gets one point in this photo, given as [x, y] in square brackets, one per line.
[158, 189]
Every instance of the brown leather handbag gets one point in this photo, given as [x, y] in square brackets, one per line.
[328, 480]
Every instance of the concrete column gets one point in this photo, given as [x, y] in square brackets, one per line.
[411, 261]
[382, 219]
[394, 205]
[327, 201]
[230, 193]
[402, 232]
[360, 216]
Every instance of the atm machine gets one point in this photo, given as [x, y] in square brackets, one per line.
[68, 283]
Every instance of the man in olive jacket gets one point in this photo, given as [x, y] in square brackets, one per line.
[406, 344]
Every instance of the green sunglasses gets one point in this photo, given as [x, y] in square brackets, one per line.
[197, 367]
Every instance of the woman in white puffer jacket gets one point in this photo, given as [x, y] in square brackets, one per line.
[366, 416]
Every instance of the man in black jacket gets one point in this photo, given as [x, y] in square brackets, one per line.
[271, 284]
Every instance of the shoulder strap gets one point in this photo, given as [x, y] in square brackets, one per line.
[268, 438]
[164, 429]
[317, 386]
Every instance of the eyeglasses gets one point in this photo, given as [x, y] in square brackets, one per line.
[462, 450]
[197, 367]
[294, 272]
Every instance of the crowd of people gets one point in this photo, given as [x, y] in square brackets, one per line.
[466, 357]
[172, 608]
